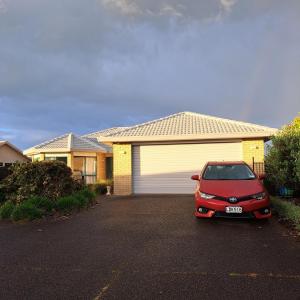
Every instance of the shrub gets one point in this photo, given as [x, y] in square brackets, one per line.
[82, 201]
[26, 211]
[67, 203]
[2, 195]
[78, 200]
[88, 194]
[6, 210]
[47, 179]
[287, 210]
[283, 158]
[41, 203]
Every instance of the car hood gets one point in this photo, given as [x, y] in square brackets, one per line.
[231, 188]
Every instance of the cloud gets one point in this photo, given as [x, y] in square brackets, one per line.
[227, 5]
[126, 7]
[68, 66]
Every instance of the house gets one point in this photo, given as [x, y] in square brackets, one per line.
[161, 155]
[10, 154]
[83, 154]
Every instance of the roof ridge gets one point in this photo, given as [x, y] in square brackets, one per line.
[70, 140]
[94, 132]
[86, 139]
[228, 120]
[52, 140]
[149, 122]
[106, 129]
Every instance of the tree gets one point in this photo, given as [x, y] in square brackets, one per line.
[283, 158]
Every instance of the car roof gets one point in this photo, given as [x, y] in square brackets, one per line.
[225, 163]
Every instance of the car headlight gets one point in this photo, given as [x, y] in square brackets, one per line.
[259, 196]
[206, 196]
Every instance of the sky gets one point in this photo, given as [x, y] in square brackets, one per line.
[85, 65]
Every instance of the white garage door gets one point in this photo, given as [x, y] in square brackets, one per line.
[168, 168]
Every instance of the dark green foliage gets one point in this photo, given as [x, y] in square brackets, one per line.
[35, 207]
[48, 179]
[78, 200]
[2, 195]
[283, 159]
[41, 203]
[6, 210]
[26, 211]
[88, 194]
[82, 201]
[67, 203]
[287, 210]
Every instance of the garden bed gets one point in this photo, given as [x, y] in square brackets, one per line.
[287, 211]
[37, 207]
[39, 189]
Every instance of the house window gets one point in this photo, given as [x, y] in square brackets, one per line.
[1, 164]
[86, 167]
[109, 167]
[59, 158]
[8, 164]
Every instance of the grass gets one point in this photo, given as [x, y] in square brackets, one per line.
[6, 210]
[42, 203]
[76, 201]
[26, 211]
[287, 210]
[37, 207]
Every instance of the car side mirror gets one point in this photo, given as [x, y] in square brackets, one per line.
[262, 176]
[195, 177]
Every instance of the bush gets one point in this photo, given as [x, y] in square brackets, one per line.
[41, 203]
[66, 204]
[76, 201]
[283, 159]
[47, 179]
[2, 195]
[88, 194]
[26, 211]
[6, 210]
[35, 207]
[287, 210]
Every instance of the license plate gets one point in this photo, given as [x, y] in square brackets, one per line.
[234, 209]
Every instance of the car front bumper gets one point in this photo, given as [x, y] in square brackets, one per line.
[217, 208]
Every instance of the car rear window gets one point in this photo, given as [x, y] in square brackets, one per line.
[228, 172]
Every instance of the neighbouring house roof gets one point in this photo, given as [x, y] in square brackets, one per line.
[190, 126]
[67, 143]
[2, 143]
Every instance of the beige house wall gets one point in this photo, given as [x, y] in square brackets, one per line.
[253, 149]
[10, 155]
[101, 167]
[122, 166]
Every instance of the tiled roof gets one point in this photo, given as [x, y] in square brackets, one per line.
[105, 132]
[69, 142]
[188, 125]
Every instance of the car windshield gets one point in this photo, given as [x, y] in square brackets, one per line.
[228, 172]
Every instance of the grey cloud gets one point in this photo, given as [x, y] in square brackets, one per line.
[82, 66]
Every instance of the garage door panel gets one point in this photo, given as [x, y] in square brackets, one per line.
[168, 168]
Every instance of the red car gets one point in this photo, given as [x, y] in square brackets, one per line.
[230, 189]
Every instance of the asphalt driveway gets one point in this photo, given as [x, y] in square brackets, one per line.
[148, 248]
